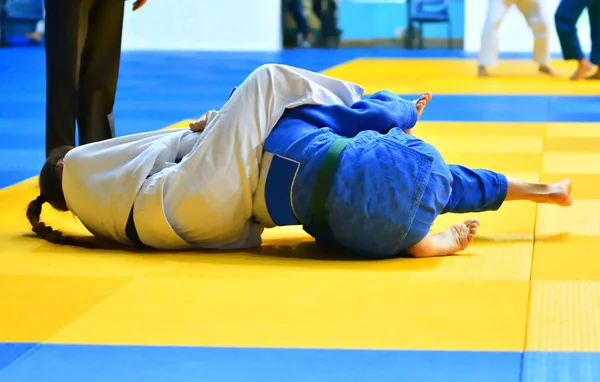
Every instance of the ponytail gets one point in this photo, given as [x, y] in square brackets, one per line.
[34, 211]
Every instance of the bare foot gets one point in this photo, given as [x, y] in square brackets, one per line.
[454, 239]
[482, 71]
[583, 69]
[422, 102]
[560, 193]
[35, 36]
[545, 69]
[595, 76]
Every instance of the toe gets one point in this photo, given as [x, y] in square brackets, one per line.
[471, 222]
[425, 97]
[469, 239]
[463, 229]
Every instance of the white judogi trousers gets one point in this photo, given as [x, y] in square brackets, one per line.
[532, 10]
[191, 190]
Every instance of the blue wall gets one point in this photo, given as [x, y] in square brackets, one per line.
[380, 20]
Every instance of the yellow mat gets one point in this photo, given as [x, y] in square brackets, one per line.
[291, 294]
[284, 294]
[451, 76]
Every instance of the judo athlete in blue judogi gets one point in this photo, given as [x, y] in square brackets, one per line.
[357, 178]
[566, 17]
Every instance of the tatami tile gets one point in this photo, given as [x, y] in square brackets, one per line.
[428, 129]
[564, 316]
[566, 257]
[581, 219]
[573, 130]
[451, 76]
[35, 307]
[574, 163]
[486, 144]
[572, 145]
[348, 311]
[513, 163]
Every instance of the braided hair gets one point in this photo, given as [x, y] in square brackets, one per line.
[51, 192]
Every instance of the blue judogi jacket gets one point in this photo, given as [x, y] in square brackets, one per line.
[378, 189]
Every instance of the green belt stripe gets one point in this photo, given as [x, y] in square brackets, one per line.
[325, 179]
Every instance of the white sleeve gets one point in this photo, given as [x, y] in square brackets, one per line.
[208, 197]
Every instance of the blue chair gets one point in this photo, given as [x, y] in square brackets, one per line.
[430, 11]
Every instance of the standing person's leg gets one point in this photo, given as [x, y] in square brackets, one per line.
[477, 190]
[66, 28]
[533, 12]
[100, 71]
[594, 14]
[566, 18]
[488, 52]
[295, 8]
[2, 43]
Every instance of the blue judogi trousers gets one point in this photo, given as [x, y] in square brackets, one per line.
[566, 18]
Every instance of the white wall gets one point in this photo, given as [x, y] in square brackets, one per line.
[515, 35]
[216, 25]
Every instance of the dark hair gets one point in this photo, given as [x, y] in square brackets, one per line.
[51, 192]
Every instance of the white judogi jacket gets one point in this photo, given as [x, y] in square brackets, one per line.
[205, 201]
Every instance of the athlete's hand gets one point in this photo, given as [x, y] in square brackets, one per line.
[201, 122]
[138, 4]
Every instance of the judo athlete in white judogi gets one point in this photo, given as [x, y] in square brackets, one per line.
[347, 169]
[533, 12]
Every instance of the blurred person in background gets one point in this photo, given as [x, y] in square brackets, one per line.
[18, 21]
[566, 17]
[2, 37]
[38, 34]
[83, 52]
[533, 12]
[296, 9]
[326, 12]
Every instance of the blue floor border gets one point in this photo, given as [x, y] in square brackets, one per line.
[91, 363]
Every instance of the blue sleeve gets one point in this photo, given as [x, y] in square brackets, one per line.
[380, 112]
[385, 110]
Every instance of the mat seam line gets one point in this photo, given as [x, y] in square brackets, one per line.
[37, 346]
[95, 306]
[530, 282]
